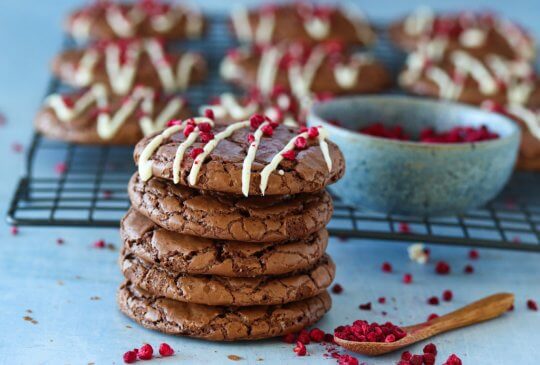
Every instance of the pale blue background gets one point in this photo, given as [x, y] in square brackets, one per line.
[56, 283]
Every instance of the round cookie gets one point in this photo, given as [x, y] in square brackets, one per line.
[145, 18]
[94, 116]
[220, 323]
[220, 290]
[201, 256]
[121, 65]
[305, 71]
[459, 75]
[230, 217]
[279, 165]
[529, 122]
[477, 33]
[301, 22]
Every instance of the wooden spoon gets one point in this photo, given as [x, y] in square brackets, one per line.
[479, 311]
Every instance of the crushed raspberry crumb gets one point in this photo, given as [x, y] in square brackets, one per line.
[404, 228]
[174, 122]
[365, 306]
[447, 295]
[251, 138]
[386, 267]
[430, 348]
[532, 305]
[382, 300]
[313, 132]
[130, 357]
[14, 230]
[204, 127]
[428, 359]
[303, 337]
[407, 278]
[256, 120]
[188, 129]
[107, 194]
[328, 338]
[209, 113]
[300, 349]
[469, 269]
[316, 335]
[17, 147]
[406, 355]
[362, 331]
[416, 360]
[165, 350]
[195, 152]
[453, 360]
[99, 244]
[60, 168]
[206, 137]
[473, 254]
[289, 155]
[268, 130]
[145, 352]
[300, 143]
[337, 289]
[347, 360]
[59, 241]
[432, 316]
[433, 301]
[442, 268]
[289, 338]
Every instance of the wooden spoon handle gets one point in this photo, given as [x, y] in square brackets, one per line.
[479, 311]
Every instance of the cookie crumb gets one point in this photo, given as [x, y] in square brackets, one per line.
[234, 357]
[30, 319]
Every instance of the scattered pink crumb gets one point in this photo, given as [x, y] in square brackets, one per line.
[433, 300]
[17, 147]
[447, 295]
[404, 228]
[59, 241]
[14, 230]
[453, 360]
[60, 168]
[337, 289]
[468, 269]
[532, 305]
[365, 306]
[165, 350]
[99, 244]
[300, 349]
[381, 300]
[386, 267]
[442, 268]
[407, 278]
[473, 254]
[432, 316]
[145, 352]
[107, 194]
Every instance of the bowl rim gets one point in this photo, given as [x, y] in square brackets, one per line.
[515, 131]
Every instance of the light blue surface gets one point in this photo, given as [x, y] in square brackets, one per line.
[57, 282]
[422, 179]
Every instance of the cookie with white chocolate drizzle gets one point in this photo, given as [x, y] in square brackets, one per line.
[434, 70]
[301, 22]
[105, 19]
[476, 32]
[96, 116]
[305, 70]
[529, 122]
[250, 157]
[123, 64]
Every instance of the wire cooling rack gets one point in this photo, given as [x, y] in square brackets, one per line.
[77, 185]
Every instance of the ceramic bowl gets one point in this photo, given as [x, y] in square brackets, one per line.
[411, 178]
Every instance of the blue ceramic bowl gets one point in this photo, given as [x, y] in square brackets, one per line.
[411, 178]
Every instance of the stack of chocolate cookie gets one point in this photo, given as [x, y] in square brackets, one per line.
[226, 236]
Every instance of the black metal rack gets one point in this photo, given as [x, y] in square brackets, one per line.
[90, 188]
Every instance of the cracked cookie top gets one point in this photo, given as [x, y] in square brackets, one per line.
[251, 157]
[198, 255]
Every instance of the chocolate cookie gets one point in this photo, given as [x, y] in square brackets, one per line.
[459, 75]
[230, 217]
[123, 64]
[529, 122]
[280, 106]
[144, 18]
[94, 116]
[254, 157]
[220, 290]
[478, 33]
[197, 255]
[301, 22]
[305, 71]
[220, 323]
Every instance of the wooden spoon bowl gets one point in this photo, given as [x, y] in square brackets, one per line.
[479, 311]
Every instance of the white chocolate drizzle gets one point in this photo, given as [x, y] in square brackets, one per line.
[109, 123]
[125, 25]
[122, 76]
[419, 22]
[529, 117]
[145, 163]
[263, 31]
